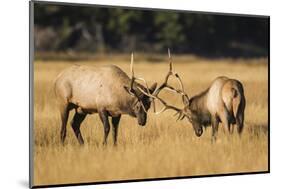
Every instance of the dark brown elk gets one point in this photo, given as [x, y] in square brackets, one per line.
[105, 90]
[223, 102]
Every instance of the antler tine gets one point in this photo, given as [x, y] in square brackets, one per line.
[132, 71]
[133, 74]
[182, 92]
[132, 64]
[170, 60]
[184, 95]
[170, 72]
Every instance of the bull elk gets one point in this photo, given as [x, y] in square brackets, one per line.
[105, 90]
[223, 102]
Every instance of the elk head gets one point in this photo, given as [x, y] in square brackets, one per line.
[182, 113]
[141, 101]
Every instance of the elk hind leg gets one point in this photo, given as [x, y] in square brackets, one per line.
[64, 113]
[240, 123]
[239, 104]
[231, 128]
[224, 117]
[76, 123]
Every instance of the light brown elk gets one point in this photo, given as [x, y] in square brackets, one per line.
[105, 90]
[223, 102]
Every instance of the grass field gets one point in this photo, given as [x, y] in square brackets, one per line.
[164, 147]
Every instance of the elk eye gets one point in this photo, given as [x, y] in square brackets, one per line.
[138, 106]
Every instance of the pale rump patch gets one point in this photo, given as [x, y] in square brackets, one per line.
[214, 100]
[228, 93]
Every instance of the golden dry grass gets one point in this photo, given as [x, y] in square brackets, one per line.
[164, 147]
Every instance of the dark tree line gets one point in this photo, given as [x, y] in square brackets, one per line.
[100, 29]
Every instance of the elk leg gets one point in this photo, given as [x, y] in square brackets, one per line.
[104, 118]
[240, 123]
[215, 125]
[232, 128]
[64, 112]
[115, 124]
[75, 124]
[225, 121]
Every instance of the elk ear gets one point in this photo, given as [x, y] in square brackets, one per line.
[152, 88]
[129, 90]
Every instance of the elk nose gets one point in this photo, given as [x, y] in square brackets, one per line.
[141, 122]
[199, 132]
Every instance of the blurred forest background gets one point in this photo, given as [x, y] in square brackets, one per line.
[97, 30]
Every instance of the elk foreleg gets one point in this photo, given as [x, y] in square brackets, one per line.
[104, 118]
[115, 124]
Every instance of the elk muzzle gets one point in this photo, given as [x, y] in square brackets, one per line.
[198, 131]
[142, 118]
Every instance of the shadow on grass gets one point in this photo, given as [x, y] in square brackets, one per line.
[258, 129]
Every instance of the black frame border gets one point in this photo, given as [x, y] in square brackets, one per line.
[31, 72]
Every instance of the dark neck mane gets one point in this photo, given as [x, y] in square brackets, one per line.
[199, 108]
[197, 102]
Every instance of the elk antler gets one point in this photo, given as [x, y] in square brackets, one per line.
[181, 112]
[133, 78]
[166, 86]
